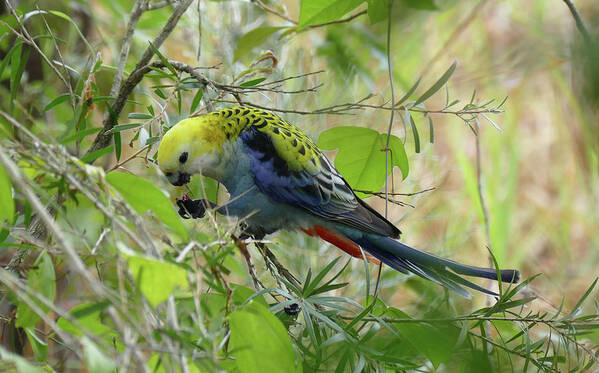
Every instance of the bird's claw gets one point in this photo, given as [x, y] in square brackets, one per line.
[191, 208]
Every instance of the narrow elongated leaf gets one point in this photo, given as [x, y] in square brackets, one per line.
[416, 135]
[408, 93]
[139, 116]
[117, 146]
[144, 196]
[440, 83]
[7, 212]
[196, 101]
[57, 101]
[252, 82]
[163, 59]
[89, 158]
[311, 285]
[80, 135]
[123, 127]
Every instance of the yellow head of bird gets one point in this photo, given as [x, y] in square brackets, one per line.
[194, 145]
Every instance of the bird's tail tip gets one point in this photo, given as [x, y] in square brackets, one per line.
[510, 275]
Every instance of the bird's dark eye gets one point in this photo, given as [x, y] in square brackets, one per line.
[183, 157]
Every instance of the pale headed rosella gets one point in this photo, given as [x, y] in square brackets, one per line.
[278, 179]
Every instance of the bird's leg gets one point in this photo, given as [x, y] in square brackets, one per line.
[252, 232]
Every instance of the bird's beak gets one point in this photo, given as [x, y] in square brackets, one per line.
[178, 178]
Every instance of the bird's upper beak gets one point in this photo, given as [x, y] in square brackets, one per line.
[178, 178]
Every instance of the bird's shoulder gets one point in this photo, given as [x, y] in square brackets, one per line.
[273, 137]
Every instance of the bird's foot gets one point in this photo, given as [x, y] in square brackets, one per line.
[192, 208]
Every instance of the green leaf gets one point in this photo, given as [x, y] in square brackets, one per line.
[80, 135]
[7, 212]
[95, 360]
[252, 39]
[57, 101]
[117, 146]
[17, 67]
[89, 158]
[252, 82]
[196, 101]
[578, 305]
[311, 285]
[123, 127]
[39, 347]
[378, 10]
[430, 341]
[398, 155]
[88, 317]
[204, 187]
[321, 11]
[40, 280]
[144, 196]
[260, 342]
[241, 294]
[66, 17]
[361, 157]
[21, 364]
[139, 116]
[440, 83]
[157, 280]
[163, 59]
[416, 135]
[421, 4]
[431, 130]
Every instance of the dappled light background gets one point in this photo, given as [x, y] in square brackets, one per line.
[538, 164]
[538, 171]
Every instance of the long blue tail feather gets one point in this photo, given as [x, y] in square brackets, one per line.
[439, 270]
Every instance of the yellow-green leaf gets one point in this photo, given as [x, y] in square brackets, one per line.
[7, 212]
[361, 157]
[321, 11]
[260, 342]
[143, 196]
[156, 279]
[252, 39]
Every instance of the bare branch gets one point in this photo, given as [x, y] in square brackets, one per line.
[134, 16]
[343, 20]
[102, 138]
[273, 11]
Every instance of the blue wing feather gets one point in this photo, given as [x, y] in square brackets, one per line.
[322, 192]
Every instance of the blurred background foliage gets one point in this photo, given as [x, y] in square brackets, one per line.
[538, 174]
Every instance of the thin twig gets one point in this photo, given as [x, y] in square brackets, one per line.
[103, 139]
[134, 16]
[265, 251]
[273, 11]
[248, 260]
[343, 20]
[395, 194]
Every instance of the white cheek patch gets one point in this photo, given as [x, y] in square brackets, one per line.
[206, 164]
